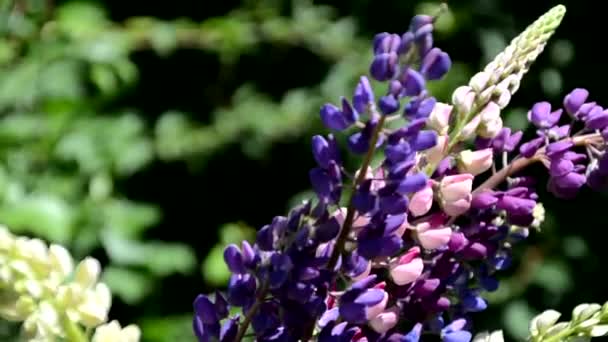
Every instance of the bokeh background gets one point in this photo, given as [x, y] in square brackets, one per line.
[150, 134]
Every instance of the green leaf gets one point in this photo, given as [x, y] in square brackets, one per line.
[554, 276]
[161, 258]
[516, 318]
[215, 271]
[130, 285]
[81, 18]
[168, 329]
[44, 215]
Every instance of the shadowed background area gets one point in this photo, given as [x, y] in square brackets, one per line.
[152, 134]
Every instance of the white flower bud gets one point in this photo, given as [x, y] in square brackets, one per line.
[469, 129]
[463, 99]
[112, 332]
[87, 272]
[480, 81]
[490, 121]
[475, 162]
[61, 260]
[94, 309]
[490, 129]
[439, 118]
[541, 323]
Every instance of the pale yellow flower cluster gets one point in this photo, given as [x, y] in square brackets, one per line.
[41, 287]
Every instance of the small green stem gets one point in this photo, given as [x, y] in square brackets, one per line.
[350, 211]
[72, 331]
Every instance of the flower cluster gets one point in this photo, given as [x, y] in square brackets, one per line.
[406, 245]
[588, 320]
[41, 287]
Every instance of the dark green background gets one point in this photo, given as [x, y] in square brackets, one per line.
[558, 268]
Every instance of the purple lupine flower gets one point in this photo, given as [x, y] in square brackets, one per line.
[336, 118]
[575, 99]
[435, 64]
[363, 96]
[542, 116]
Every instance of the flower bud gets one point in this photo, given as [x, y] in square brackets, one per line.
[575, 99]
[408, 267]
[385, 321]
[112, 332]
[94, 310]
[432, 237]
[490, 129]
[455, 192]
[61, 260]
[87, 272]
[435, 64]
[439, 119]
[469, 129]
[479, 81]
[435, 154]
[475, 162]
[421, 202]
[463, 99]
[541, 323]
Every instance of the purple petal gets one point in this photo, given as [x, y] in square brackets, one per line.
[393, 204]
[412, 183]
[458, 336]
[229, 330]
[321, 182]
[205, 310]
[398, 152]
[412, 81]
[234, 259]
[406, 42]
[384, 66]
[384, 43]
[370, 297]
[561, 167]
[558, 148]
[333, 118]
[364, 95]
[435, 64]
[388, 104]
[327, 230]
[597, 120]
[574, 100]
[424, 140]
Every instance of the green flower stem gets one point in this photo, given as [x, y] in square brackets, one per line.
[72, 330]
[252, 310]
[350, 211]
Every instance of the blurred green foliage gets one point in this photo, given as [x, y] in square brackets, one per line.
[69, 141]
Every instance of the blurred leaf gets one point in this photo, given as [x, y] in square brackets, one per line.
[516, 119]
[129, 219]
[43, 215]
[81, 18]
[554, 276]
[562, 52]
[104, 78]
[551, 81]
[130, 285]
[575, 247]
[516, 319]
[161, 258]
[215, 271]
[168, 329]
